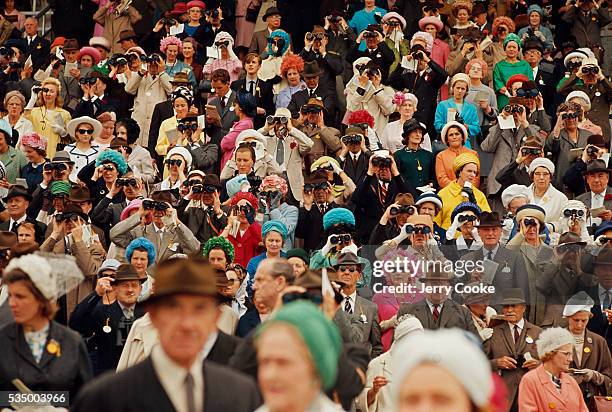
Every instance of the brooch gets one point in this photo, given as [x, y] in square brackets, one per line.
[53, 348]
[587, 350]
[529, 339]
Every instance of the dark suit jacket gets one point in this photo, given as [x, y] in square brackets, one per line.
[260, 41]
[452, 315]
[383, 56]
[96, 108]
[66, 372]
[162, 111]
[224, 390]
[249, 321]
[599, 321]
[370, 328]
[301, 98]
[228, 118]
[356, 171]
[223, 349]
[368, 203]
[39, 50]
[502, 344]
[264, 95]
[596, 358]
[39, 228]
[89, 317]
[310, 227]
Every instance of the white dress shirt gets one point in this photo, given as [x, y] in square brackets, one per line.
[597, 199]
[352, 300]
[520, 324]
[172, 378]
[18, 221]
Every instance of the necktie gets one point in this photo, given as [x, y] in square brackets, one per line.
[517, 335]
[347, 306]
[436, 313]
[129, 313]
[311, 93]
[322, 208]
[252, 87]
[606, 302]
[189, 385]
[14, 227]
[355, 158]
[383, 193]
[490, 255]
[222, 103]
[280, 152]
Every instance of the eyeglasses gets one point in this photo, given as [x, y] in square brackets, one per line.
[149, 204]
[334, 240]
[85, 131]
[174, 162]
[567, 354]
[347, 268]
[187, 126]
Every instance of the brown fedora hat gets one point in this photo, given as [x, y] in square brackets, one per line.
[127, 272]
[490, 219]
[513, 296]
[71, 44]
[193, 276]
[79, 194]
[311, 69]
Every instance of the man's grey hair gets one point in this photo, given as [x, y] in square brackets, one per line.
[276, 267]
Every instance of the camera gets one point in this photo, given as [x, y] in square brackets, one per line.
[335, 239]
[381, 162]
[168, 22]
[182, 127]
[309, 187]
[590, 70]
[88, 80]
[314, 36]
[592, 151]
[277, 119]
[570, 115]
[526, 151]
[16, 65]
[122, 182]
[466, 218]
[513, 108]
[149, 204]
[60, 167]
[310, 109]
[212, 13]
[396, 210]
[351, 138]
[527, 93]
[418, 230]
[573, 213]
[173, 162]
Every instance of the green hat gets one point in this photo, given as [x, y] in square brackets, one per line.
[60, 187]
[298, 253]
[219, 243]
[319, 334]
[512, 37]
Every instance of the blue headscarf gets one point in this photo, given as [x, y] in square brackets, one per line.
[276, 226]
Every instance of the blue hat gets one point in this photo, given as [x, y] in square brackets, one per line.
[429, 197]
[464, 207]
[138, 243]
[232, 186]
[113, 156]
[276, 226]
[603, 228]
[536, 8]
[6, 128]
[247, 103]
[338, 216]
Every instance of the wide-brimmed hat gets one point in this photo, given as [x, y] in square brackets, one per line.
[596, 166]
[424, 220]
[270, 11]
[489, 219]
[99, 41]
[532, 141]
[7, 239]
[570, 238]
[71, 44]
[127, 272]
[425, 21]
[62, 156]
[531, 210]
[193, 276]
[597, 140]
[412, 124]
[180, 78]
[348, 258]
[16, 191]
[74, 123]
[126, 35]
[604, 257]
[179, 8]
[513, 296]
[79, 193]
[311, 69]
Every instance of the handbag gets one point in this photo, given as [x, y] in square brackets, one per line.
[252, 12]
[603, 403]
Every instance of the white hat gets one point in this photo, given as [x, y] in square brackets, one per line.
[512, 192]
[574, 204]
[581, 54]
[456, 124]
[283, 111]
[406, 325]
[552, 339]
[542, 162]
[580, 302]
[39, 271]
[429, 197]
[245, 134]
[452, 350]
[394, 15]
[100, 41]
[184, 153]
[74, 123]
[581, 95]
[460, 77]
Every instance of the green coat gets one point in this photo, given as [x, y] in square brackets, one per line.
[13, 161]
[502, 72]
[416, 167]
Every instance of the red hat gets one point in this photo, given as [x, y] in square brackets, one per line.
[179, 8]
[90, 51]
[59, 41]
[516, 78]
[248, 196]
[196, 3]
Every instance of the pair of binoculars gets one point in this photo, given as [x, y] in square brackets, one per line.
[149, 204]
[335, 239]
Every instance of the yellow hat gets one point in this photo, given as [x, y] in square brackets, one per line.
[465, 158]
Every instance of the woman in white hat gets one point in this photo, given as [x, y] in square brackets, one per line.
[83, 151]
[433, 374]
[550, 386]
[542, 192]
[591, 353]
[176, 166]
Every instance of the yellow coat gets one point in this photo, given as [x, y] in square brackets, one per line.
[162, 140]
[451, 197]
[42, 125]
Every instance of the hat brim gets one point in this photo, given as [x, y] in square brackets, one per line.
[181, 290]
[266, 15]
[315, 74]
[74, 123]
[26, 195]
[597, 170]
[512, 301]
[490, 225]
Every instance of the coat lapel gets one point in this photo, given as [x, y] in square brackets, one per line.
[58, 336]
[549, 386]
[508, 340]
[21, 346]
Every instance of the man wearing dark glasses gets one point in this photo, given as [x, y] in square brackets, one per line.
[157, 221]
[354, 156]
[348, 272]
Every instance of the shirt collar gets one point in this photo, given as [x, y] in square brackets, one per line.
[210, 342]
[20, 220]
[520, 324]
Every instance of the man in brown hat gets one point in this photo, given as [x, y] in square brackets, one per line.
[184, 310]
[516, 172]
[161, 226]
[312, 76]
[272, 17]
[127, 40]
[312, 122]
[512, 347]
[438, 310]
[109, 325]
[348, 273]
[599, 196]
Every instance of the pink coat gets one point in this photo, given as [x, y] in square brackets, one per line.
[388, 306]
[228, 143]
[439, 54]
[537, 393]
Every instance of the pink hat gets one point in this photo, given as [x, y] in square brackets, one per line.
[275, 181]
[35, 141]
[170, 40]
[431, 20]
[90, 51]
[196, 3]
[423, 36]
[134, 205]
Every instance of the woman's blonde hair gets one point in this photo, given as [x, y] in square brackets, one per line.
[59, 102]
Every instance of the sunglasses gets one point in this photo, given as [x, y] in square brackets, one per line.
[174, 162]
[187, 126]
[590, 70]
[268, 193]
[149, 204]
[85, 131]
[340, 239]
[61, 196]
[222, 44]
[347, 268]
